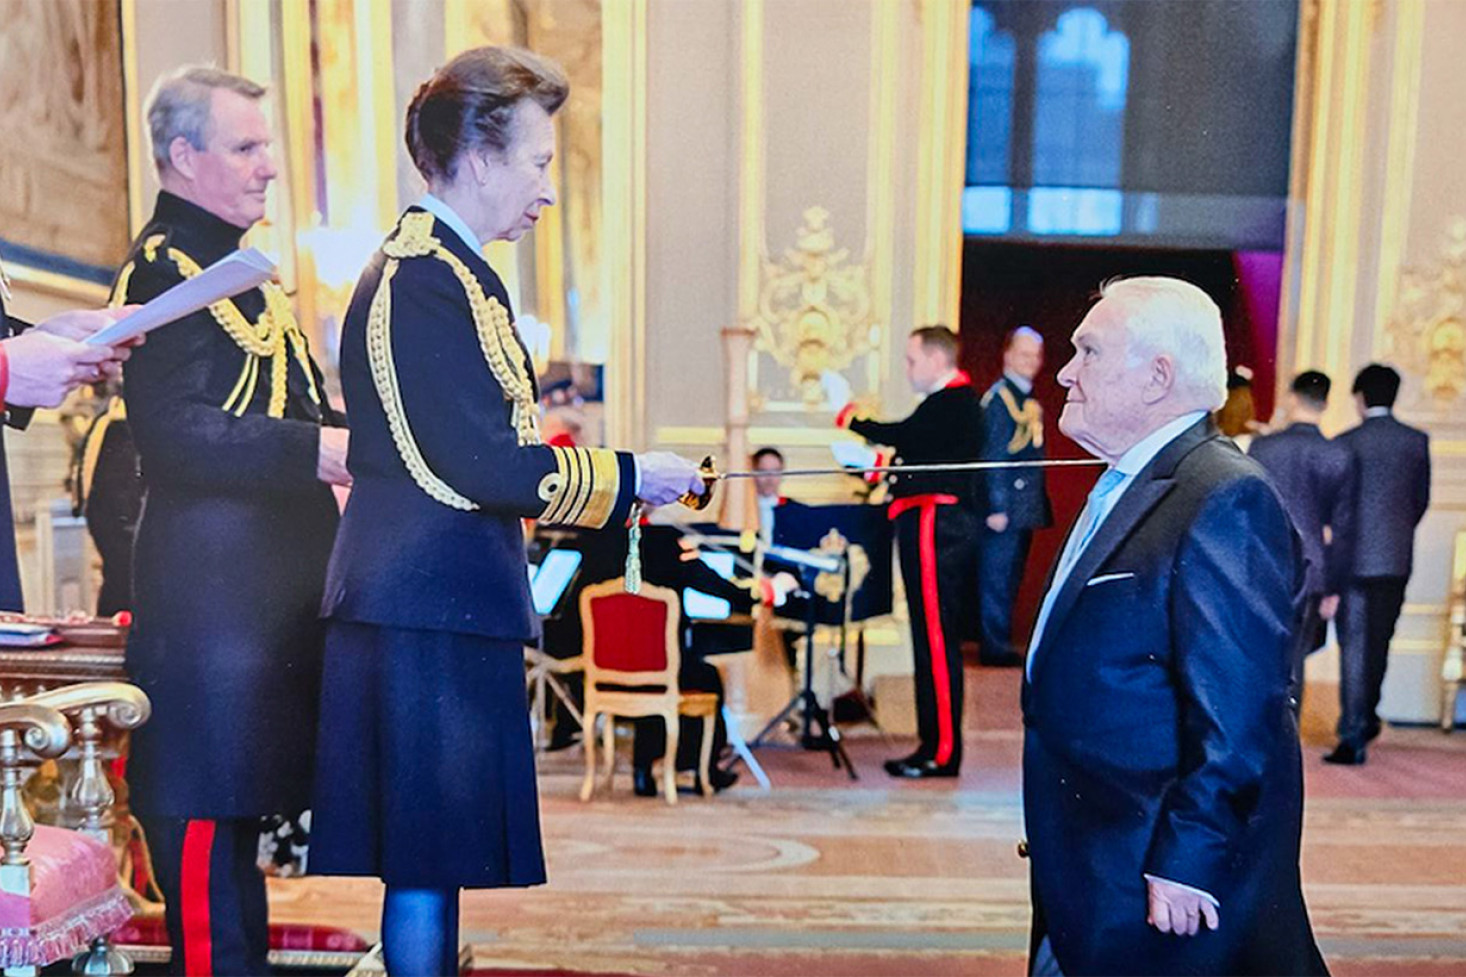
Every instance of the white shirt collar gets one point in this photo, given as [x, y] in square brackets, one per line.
[450, 217]
[1141, 454]
[1025, 385]
[1376, 412]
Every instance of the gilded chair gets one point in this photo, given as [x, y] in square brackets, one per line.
[632, 655]
[59, 892]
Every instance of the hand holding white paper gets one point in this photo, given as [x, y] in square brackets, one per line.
[225, 278]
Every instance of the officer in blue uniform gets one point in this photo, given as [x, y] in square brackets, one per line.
[425, 774]
[1017, 501]
[238, 452]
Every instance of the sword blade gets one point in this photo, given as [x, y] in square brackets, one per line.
[955, 466]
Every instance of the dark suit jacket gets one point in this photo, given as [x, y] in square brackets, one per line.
[1019, 492]
[10, 595]
[1159, 738]
[1317, 479]
[403, 558]
[1394, 491]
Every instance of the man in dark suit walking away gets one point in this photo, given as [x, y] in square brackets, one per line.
[1017, 501]
[1161, 775]
[1393, 461]
[1317, 481]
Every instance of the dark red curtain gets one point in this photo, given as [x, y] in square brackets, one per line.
[1049, 287]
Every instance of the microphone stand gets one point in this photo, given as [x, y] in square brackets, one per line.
[817, 731]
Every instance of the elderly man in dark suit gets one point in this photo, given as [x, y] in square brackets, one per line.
[1162, 780]
[1317, 480]
[1017, 502]
[1393, 461]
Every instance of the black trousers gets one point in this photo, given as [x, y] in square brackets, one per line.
[1367, 616]
[935, 543]
[1000, 570]
[216, 912]
[650, 741]
[1305, 643]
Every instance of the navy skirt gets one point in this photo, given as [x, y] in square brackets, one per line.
[425, 772]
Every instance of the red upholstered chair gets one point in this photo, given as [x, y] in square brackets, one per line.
[632, 655]
[59, 893]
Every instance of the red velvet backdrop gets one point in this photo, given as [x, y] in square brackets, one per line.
[1050, 287]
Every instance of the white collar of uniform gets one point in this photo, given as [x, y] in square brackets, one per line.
[1141, 454]
[450, 217]
[944, 381]
[1376, 412]
[1025, 385]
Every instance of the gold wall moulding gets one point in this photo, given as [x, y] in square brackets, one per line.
[814, 314]
[1427, 332]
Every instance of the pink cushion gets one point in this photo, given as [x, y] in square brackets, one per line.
[74, 898]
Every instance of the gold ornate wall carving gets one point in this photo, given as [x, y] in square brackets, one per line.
[61, 102]
[814, 314]
[1426, 335]
[814, 309]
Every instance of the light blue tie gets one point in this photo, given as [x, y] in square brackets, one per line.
[1090, 519]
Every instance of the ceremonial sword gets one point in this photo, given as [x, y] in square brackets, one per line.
[711, 476]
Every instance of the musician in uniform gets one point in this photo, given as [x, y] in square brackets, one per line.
[1017, 501]
[936, 528]
[425, 773]
[238, 451]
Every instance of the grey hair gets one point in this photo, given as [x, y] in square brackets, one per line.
[1173, 317]
[181, 104]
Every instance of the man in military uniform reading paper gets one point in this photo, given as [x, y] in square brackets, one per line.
[238, 451]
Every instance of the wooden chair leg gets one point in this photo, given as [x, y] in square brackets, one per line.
[669, 762]
[608, 743]
[588, 743]
[705, 755]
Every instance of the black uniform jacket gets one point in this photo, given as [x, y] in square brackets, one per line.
[1318, 481]
[1013, 430]
[10, 595]
[445, 451]
[945, 427]
[1394, 492]
[232, 545]
[1159, 737]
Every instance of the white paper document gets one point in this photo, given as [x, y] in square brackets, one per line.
[225, 278]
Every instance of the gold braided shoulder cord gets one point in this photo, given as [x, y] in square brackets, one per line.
[268, 338]
[384, 378]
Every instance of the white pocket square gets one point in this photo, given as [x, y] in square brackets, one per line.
[1108, 578]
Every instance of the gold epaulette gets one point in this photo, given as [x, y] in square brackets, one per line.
[583, 488]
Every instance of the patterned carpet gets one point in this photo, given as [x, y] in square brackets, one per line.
[824, 877]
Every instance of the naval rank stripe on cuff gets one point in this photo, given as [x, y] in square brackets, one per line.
[583, 489]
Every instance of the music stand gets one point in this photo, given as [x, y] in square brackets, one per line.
[550, 580]
[810, 566]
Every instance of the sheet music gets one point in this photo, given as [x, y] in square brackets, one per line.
[225, 278]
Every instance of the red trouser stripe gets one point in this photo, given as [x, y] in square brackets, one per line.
[198, 939]
[936, 641]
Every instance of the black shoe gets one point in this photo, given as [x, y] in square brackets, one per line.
[720, 779]
[642, 783]
[1372, 733]
[1009, 659]
[562, 740]
[1345, 755]
[916, 768]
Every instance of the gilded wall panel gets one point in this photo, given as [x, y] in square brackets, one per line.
[64, 173]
